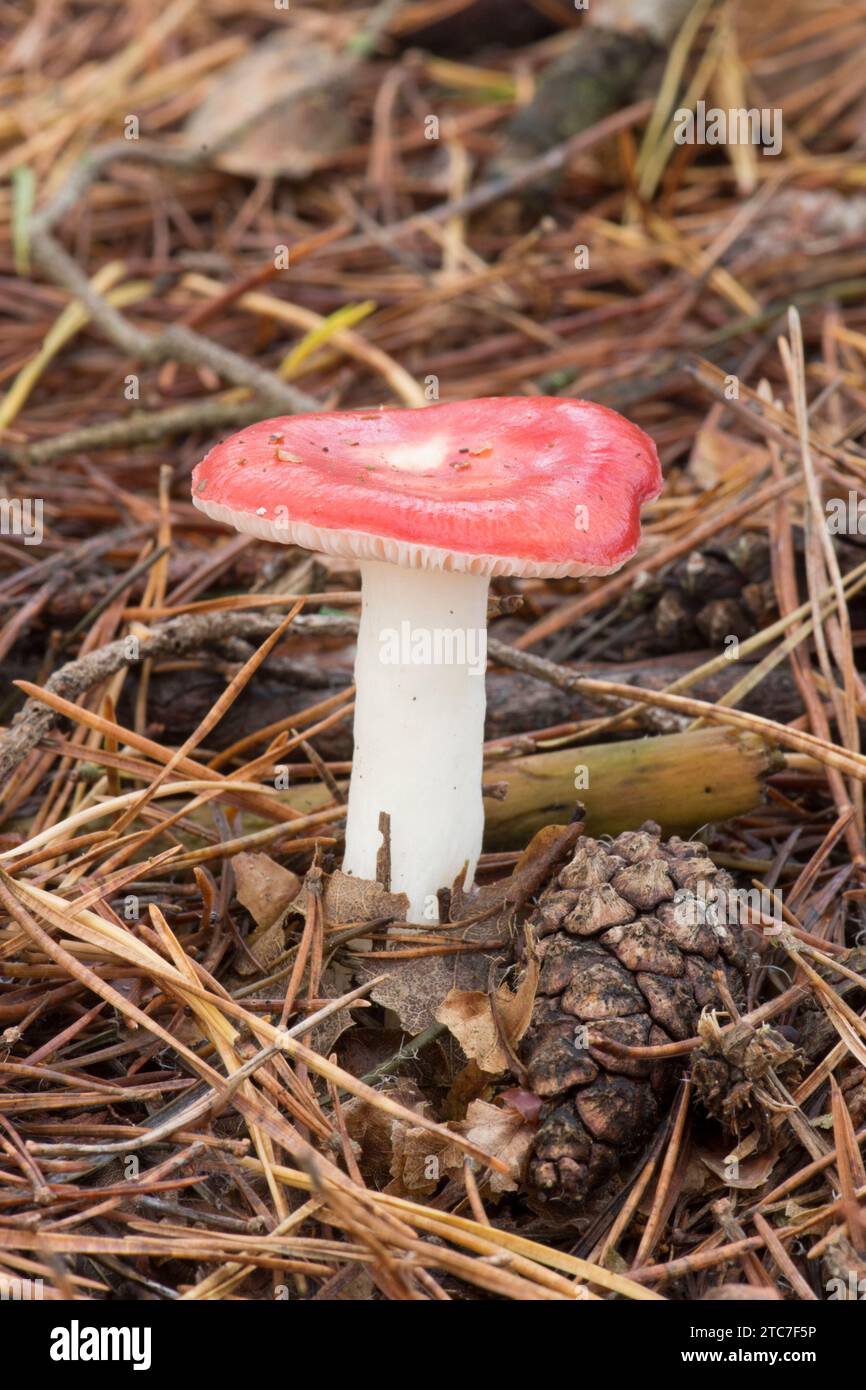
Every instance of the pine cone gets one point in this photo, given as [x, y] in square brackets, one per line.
[711, 594]
[733, 1074]
[714, 592]
[630, 949]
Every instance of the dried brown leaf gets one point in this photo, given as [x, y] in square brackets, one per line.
[264, 887]
[392, 1151]
[548, 846]
[414, 989]
[498, 1131]
[281, 109]
[348, 899]
[488, 1027]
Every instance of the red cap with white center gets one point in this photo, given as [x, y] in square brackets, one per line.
[527, 485]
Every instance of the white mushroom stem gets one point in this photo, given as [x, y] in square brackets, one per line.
[419, 729]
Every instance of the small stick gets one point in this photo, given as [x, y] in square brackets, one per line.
[383, 854]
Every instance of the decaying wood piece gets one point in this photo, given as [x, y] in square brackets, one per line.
[682, 781]
[516, 702]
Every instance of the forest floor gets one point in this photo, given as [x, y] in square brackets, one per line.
[221, 1067]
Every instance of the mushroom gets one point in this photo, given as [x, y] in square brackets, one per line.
[432, 503]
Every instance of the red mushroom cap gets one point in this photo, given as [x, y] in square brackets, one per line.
[523, 485]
